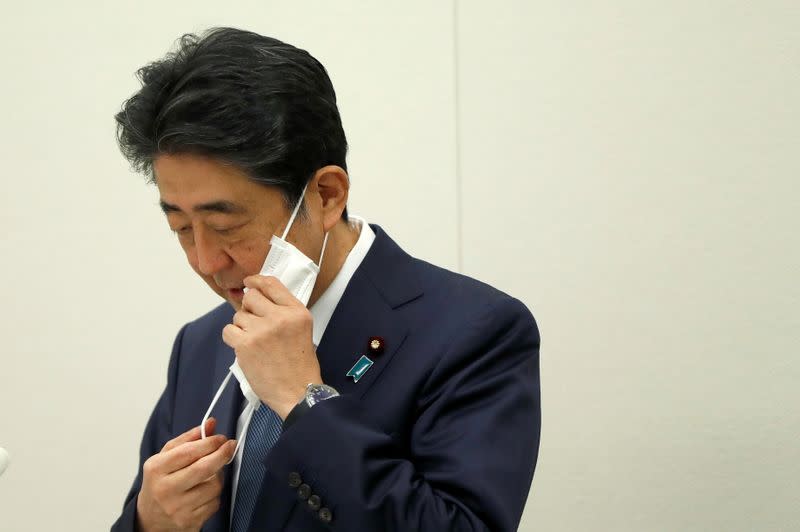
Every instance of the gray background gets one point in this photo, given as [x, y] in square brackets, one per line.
[628, 169]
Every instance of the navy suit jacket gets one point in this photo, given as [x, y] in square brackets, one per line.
[442, 433]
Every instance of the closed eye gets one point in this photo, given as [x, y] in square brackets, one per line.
[226, 230]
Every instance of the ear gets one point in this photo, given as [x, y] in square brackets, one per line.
[333, 187]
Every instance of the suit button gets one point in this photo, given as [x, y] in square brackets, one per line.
[325, 515]
[294, 479]
[304, 491]
[314, 502]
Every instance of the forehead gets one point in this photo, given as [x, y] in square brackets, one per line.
[187, 181]
[183, 174]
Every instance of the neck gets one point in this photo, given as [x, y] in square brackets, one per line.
[341, 240]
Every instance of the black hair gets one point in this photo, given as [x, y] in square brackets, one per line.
[241, 98]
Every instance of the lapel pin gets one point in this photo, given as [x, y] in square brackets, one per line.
[376, 345]
[360, 368]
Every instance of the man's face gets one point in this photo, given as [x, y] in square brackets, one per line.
[223, 220]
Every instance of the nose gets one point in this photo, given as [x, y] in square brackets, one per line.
[209, 253]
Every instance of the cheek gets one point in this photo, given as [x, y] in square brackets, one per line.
[249, 256]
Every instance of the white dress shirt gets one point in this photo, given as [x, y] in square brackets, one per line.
[321, 312]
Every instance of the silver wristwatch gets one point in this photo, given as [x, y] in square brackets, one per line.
[315, 393]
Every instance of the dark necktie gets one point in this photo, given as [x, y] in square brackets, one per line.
[265, 429]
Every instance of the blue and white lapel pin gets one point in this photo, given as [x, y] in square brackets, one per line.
[376, 346]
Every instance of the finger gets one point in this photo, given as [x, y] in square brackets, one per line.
[257, 303]
[206, 467]
[273, 289]
[244, 320]
[203, 493]
[191, 435]
[207, 510]
[188, 453]
[232, 335]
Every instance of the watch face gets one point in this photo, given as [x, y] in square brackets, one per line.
[320, 392]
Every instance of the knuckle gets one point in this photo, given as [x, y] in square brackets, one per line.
[148, 469]
[304, 316]
[184, 452]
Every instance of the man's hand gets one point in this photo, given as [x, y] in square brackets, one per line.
[271, 335]
[181, 485]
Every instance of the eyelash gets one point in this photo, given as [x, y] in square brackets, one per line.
[187, 228]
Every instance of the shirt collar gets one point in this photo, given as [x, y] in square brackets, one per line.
[323, 308]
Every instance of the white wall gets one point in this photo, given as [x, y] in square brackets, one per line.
[624, 168]
[630, 170]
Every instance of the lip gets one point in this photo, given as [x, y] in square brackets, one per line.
[235, 293]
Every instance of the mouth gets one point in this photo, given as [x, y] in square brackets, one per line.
[235, 294]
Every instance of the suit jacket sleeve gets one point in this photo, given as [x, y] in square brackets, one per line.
[156, 434]
[470, 458]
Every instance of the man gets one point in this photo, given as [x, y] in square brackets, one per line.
[402, 397]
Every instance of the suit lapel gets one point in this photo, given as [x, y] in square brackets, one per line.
[361, 314]
[382, 283]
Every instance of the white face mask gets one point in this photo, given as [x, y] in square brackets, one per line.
[298, 273]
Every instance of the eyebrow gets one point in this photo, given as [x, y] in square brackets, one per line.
[224, 207]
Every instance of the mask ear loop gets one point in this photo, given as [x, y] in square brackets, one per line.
[213, 403]
[294, 213]
[249, 410]
[322, 253]
[291, 221]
